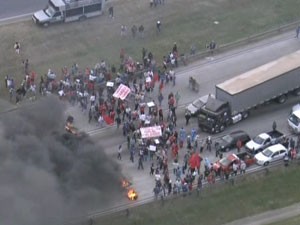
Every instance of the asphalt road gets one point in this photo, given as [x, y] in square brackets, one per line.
[210, 72]
[13, 8]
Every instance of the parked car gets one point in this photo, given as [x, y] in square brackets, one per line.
[247, 158]
[271, 154]
[229, 141]
[225, 164]
[195, 106]
[263, 141]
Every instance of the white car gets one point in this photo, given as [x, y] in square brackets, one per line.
[195, 106]
[271, 154]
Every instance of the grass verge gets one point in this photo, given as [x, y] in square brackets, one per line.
[216, 206]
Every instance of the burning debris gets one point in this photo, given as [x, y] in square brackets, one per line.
[126, 184]
[59, 175]
[132, 194]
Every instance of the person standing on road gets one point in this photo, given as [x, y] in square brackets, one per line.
[243, 167]
[120, 152]
[187, 117]
[193, 134]
[217, 148]
[111, 12]
[160, 98]
[199, 184]
[118, 121]
[286, 160]
[235, 168]
[239, 145]
[182, 137]
[140, 166]
[152, 169]
[90, 115]
[101, 121]
[17, 47]
[177, 97]
[158, 26]
[297, 32]
[208, 143]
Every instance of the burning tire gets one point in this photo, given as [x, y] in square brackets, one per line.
[132, 194]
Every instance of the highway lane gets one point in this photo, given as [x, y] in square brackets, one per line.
[210, 72]
[13, 8]
[261, 120]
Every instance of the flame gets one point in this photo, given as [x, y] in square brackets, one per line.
[125, 183]
[132, 194]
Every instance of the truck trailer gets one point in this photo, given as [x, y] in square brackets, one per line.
[67, 11]
[235, 97]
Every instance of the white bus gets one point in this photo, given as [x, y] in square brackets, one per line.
[67, 11]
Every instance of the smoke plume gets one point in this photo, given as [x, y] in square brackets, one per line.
[48, 176]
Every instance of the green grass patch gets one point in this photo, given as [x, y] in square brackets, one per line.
[219, 205]
[184, 22]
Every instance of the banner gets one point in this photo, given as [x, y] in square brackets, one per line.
[122, 92]
[151, 132]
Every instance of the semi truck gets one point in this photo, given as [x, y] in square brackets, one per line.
[236, 97]
[67, 11]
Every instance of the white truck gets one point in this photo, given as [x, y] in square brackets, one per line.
[67, 11]
[264, 140]
[294, 119]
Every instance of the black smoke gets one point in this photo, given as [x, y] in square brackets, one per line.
[48, 176]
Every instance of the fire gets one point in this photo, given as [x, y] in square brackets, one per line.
[132, 194]
[125, 183]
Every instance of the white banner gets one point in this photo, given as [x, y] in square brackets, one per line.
[122, 92]
[151, 132]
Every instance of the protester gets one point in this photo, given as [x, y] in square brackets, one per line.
[120, 149]
[17, 47]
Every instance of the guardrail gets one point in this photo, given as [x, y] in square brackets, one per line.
[252, 38]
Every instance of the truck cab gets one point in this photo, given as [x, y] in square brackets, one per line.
[294, 119]
[214, 116]
[51, 14]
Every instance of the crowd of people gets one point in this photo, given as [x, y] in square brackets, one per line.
[93, 89]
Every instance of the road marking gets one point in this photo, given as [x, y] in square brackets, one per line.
[16, 18]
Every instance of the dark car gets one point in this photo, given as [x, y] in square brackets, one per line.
[229, 141]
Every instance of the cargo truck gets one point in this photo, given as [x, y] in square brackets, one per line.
[67, 11]
[294, 119]
[235, 97]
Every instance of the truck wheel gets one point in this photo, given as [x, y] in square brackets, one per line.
[222, 128]
[82, 18]
[245, 115]
[46, 24]
[297, 92]
[281, 99]
[266, 163]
